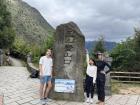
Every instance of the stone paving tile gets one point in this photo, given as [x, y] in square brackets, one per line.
[138, 101]
[25, 100]
[133, 100]
[27, 104]
[35, 101]
[12, 100]
[14, 103]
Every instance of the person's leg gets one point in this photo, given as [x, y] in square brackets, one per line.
[87, 86]
[87, 82]
[42, 83]
[102, 90]
[41, 91]
[92, 90]
[48, 87]
[98, 88]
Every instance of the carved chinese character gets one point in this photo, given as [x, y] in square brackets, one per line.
[68, 47]
[68, 54]
[69, 40]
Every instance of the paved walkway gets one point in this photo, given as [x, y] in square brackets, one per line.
[16, 62]
[18, 89]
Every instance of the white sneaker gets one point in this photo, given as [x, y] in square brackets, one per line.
[42, 101]
[88, 100]
[91, 100]
[48, 100]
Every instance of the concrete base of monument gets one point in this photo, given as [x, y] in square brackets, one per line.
[67, 96]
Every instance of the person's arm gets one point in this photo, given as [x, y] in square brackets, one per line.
[95, 76]
[87, 57]
[40, 67]
[52, 68]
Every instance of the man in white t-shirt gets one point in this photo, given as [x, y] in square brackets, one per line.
[45, 67]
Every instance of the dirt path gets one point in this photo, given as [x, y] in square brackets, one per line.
[16, 62]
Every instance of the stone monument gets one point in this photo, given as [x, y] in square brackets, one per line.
[69, 60]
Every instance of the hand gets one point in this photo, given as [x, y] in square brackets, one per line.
[40, 76]
[103, 72]
[40, 73]
[94, 82]
[86, 51]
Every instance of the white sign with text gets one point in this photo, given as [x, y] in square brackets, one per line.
[64, 85]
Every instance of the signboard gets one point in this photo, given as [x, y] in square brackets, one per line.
[64, 85]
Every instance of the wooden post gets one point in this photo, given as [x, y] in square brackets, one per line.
[1, 57]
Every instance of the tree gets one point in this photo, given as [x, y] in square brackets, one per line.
[7, 34]
[100, 45]
[126, 55]
[137, 49]
[20, 48]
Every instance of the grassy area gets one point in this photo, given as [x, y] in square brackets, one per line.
[115, 87]
[125, 88]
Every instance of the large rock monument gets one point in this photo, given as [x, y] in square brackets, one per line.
[69, 60]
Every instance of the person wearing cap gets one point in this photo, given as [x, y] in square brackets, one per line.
[91, 74]
[100, 81]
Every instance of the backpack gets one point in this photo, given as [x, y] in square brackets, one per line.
[34, 74]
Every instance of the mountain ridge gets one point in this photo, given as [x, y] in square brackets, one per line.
[28, 22]
[108, 45]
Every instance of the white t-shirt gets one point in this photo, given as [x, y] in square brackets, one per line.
[47, 64]
[92, 72]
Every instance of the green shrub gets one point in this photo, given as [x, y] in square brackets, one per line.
[38, 51]
[20, 48]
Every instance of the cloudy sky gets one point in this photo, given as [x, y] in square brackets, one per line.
[114, 19]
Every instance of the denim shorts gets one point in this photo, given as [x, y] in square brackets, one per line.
[45, 79]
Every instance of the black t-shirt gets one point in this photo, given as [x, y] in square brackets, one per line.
[101, 65]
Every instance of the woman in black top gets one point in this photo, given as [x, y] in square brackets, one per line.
[100, 81]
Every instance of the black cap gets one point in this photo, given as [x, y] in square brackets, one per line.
[99, 53]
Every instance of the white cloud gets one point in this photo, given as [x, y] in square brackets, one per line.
[114, 19]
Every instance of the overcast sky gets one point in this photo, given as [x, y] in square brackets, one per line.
[114, 19]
